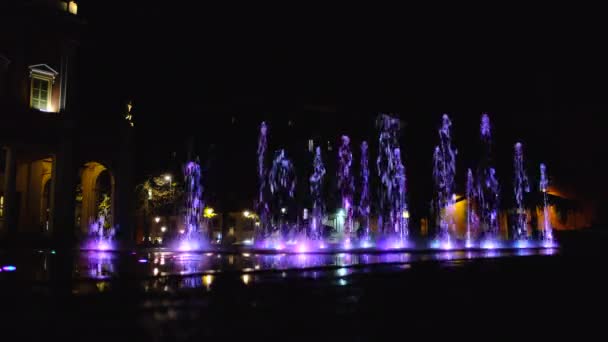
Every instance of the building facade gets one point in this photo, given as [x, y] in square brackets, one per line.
[57, 163]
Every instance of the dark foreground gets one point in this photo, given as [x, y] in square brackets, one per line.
[511, 297]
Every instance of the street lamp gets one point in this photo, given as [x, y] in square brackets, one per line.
[283, 210]
[246, 213]
[168, 178]
[163, 229]
[157, 219]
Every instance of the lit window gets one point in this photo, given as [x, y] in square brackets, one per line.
[1, 206]
[41, 93]
[73, 6]
[42, 78]
[311, 145]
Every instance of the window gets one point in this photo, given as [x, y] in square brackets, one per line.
[73, 7]
[311, 145]
[42, 79]
[41, 93]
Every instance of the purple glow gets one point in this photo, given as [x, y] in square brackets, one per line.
[302, 248]
[489, 244]
[99, 245]
[9, 268]
[187, 246]
[142, 261]
[522, 244]
[366, 244]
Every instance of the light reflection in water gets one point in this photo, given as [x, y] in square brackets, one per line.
[197, 268]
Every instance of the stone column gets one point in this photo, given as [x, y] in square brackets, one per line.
[63, 197]
[10, 192]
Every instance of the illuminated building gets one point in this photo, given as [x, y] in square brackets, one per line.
[56, 162]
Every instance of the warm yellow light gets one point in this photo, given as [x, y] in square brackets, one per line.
[246, 278]
[406, 214]
[246, 213]
[73, 7]
[157, 219]
[207, 280]
[163, 229]
[168, 178]
[209, 212]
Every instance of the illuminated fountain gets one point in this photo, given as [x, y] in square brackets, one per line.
[547, 232]
[192, 237]
[282, 181]
[316, 193]
[281, 227]
[100, 237]
[471, 223]
[263, 229]
[444, 171]
[364, 201]
[346, 186]
[393, 217]
[488, 188]
[520, 185]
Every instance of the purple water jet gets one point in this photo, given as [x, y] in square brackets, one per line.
[346, 184]
[444, 171]
[364, 201]
[316, 193]
[520, 186]
[488, 188]
[547, 233]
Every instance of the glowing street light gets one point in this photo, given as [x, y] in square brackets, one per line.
[168, 178]
[246, 213]
[163, 229]
[283, 210]
[406, 214]
[208, 212]
[157, 219]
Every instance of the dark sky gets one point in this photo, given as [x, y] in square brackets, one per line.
[214, 73]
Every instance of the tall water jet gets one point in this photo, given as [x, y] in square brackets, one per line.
[388, 167]
[282, 180]
[193, 208]
[471, 218]
[547, 233]
[100, 237]
[263, 229]
[520, 185]
[444, 171]
[400, 213]
[487, 185]
[364, 201]
[346, 184]
[316, 193]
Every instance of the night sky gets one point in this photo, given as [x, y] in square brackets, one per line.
[215, 73]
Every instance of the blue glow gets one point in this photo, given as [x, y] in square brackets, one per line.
[9, 268]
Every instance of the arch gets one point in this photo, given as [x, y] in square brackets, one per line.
[91, 193]
[45, 201]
